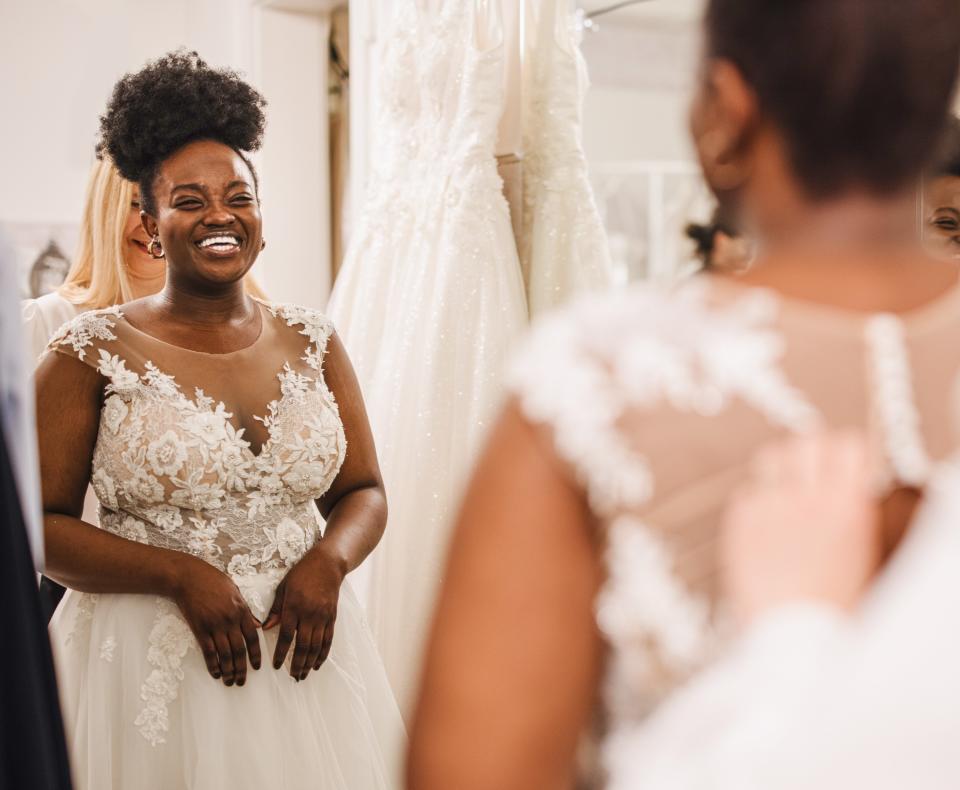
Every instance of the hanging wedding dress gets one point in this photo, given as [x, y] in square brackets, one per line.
[563, 246]
[175, 467]
[430, 299]
[657, 400]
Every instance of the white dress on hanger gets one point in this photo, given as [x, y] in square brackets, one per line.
[563, 246]
[429, 301]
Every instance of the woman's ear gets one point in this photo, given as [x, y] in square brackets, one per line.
[726, 119]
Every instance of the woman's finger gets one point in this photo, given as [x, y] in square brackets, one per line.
[225, 654]
[251, 636]
[288, 628]
[238, 646]
[301, 649]
[327, 642]
[210, 656]
[313, 651]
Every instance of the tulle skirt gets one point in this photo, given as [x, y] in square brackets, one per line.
[141, 711]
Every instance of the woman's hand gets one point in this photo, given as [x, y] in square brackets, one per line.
[220, 619]
[305, 606]
[806, 527]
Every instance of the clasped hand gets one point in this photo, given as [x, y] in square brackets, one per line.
[304, 608]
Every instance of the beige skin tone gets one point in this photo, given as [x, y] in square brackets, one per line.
[515, 658]
[942, 216]
[147, 274]
[806, 527]
[203, 307]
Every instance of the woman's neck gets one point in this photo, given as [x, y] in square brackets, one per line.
[857, 253]
[146, 284]
[227, 304]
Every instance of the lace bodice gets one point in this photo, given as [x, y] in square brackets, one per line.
[657, 399]
[217, 455]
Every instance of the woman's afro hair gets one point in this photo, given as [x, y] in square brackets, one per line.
[173, 101]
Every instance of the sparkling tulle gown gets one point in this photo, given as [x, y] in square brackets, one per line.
[174, 468]
[430, 299]
[563, 246]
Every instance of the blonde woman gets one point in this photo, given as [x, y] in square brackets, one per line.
[113, 264]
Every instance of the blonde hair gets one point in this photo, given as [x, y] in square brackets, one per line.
[98, 276]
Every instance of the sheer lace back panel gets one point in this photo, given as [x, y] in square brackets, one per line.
[217, 455]
[659, 399]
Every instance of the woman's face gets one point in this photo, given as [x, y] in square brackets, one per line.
[941, 216]
[207, 213]
[135, 238]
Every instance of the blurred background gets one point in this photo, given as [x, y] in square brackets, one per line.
[60, 58]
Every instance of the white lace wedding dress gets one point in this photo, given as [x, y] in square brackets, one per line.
[563, 246]
[656, 399]
[430, 299]
[174, 467]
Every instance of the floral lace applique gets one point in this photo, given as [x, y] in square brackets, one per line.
[606, 363]
[86, 606]
[170, 639]
[85, 328]
[107, 648]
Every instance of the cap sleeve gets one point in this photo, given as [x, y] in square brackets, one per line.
[86, 335]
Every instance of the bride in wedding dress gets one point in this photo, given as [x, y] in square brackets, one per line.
[195, 647]
[430, 299]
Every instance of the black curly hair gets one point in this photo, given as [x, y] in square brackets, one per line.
[173, 101]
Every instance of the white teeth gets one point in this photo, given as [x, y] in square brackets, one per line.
[224, 241]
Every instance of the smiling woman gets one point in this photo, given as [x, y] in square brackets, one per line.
[941, 198]
[214, 429]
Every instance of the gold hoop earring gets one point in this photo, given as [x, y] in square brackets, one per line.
[155, 245]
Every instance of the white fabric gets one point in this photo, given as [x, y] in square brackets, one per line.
[563, 246]
[17, 405]
[811, 699]
[172, 469]
[657, 399]
[42, 317]
[429, 299]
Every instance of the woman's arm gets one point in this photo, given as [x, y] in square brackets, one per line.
[513, 665]
[89, 559]
[355, 509]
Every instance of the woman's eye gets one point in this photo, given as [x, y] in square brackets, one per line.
[135, 204]
[242, 199]
[187, 204]
[944, 223]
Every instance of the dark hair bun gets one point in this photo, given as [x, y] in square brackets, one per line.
[171, 102]
[860, 89]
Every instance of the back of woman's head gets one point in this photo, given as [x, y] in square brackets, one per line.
[859, 89]
[98, 276]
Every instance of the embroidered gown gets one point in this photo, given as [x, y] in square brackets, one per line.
[175, 466]
[658, 398]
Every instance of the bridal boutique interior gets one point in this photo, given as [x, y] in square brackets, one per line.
[585, 98]
[438, 180]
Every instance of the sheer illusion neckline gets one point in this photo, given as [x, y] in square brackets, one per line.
[219, 354]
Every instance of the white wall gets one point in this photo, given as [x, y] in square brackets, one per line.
[59, 60]
[642, 75]
[292, 55]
